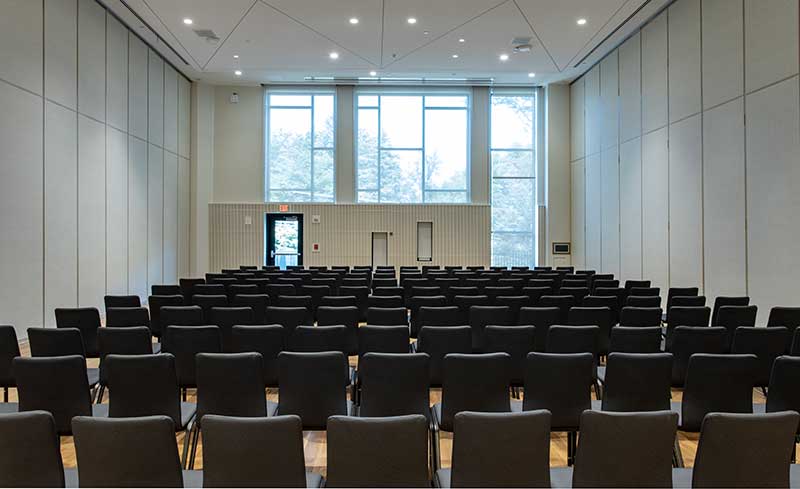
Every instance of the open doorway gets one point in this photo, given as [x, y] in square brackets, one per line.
[380, 249]
[284, 240]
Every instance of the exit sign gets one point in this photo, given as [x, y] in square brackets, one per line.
[283, 207]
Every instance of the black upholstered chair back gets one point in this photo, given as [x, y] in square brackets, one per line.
[257, 302]
[438, 342]
[312, 386]
[482, 316]
[226, 318]
[184, 342]
[680, 292]
[783, 394]
[559, 383]
[642, 301]
[86, 319]
[635, 340]
[9, 350]
[122, 317]
[562, 302]
[732, 317]
[121, 301]
[517, 341]
[162, 289]
[30, 451]
[642, 317]
[594, 316]
[143, 385]
[788, 317]
[475, 382]
[288, 317]
[687, 341]
[766, 344]
[637, 382]
[266, 340]
[439, 316]
[382, 339]
[692, 316]
[542, 318]
[181, 316]
[49, 342]
[387, 316]
[346, 316]
[230, 384]
[122, 341]
[573, 339]
[154, 303]
[312, 339]
[722, 301]
[394, 384]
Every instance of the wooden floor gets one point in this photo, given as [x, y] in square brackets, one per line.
[315, 441]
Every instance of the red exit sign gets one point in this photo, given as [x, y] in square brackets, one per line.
[283, 208]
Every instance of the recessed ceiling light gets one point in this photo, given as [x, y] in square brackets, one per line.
[426, 32]
[235, 56]
[503, 57]
[188, 21]
[462, 40]
[531, 75]
[373, 73]
[354, 20]
[455, 56]
[581, 21]
[237, 73]
[411, 20]
[334, 55]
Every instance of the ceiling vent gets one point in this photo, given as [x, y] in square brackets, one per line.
[207, 34]
[522, 44]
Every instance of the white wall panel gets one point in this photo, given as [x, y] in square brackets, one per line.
[60, 210]
[184, 116]
[609, 94]
[684, 59]
[686, 203]
[630, 211]
[137, 218]
[594, 109]
[654, 74]
[593, 212]
[170, 247]
[21, 196]
[630, 88]
[137, 87]
[578, 214]
[117, 212]
[610, 210]
[724, 237]
[117, 74]
[723, 51]
[155, 215]
[91, 212]
[655, 208]
[771, 41]
[773, 202]
[21, 43]
[92, 59]
[155, 96]
[577, 107]
[61, 52]
[184, 216]
[170, 109]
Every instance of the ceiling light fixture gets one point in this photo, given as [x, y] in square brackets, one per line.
[581, 22]
[235, 56]
[455, 56]
[188, 21]
[461, 40]
[237, 73]
[334, 55]
[503, 57]
[531, 75]
[354, 20]
[373, 73]
[412, 20]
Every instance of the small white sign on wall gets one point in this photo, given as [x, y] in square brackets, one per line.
[315, 219]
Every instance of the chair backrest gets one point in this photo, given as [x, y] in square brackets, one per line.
[166, 290]
[640, 316]
[745, 450]
[517, 341]
[788, 317]
[143, 385]
[637, 382]
[253, 452]
[438, 342]
[9, 350]
[110, 301]
[86, 319]
[766, 344]
[686, 341]
[688, 301]
[134, 452]
[731, 317]
[127, 316]
[358, 455]
[312, 339]
[187, 285]
[339, 301]
[184, 342]
[561, 384]
[416, 303]
[643, 440]
[563, 302]
[257, 302]
[122, 341]
[440, 316]
[387, 300]
[288, 317]
[266, 340]
[54, 384]
[783, 394]
[346, 316]
[717, 383]
[594, 316]
[155, 303]
[241, 289]
[49, 342]
[181, 316]
[312, 386]
[274, 290]
[394, 384]
[482, 316]
[642, 301]
[542, 318]
[696, 316]
[475, 382]
[629, 284]
[387, 316]
[382, 339]
[514, 304]
[573, 339]
[226, 318]
[722, 301]
[230, 384]
[30, 452]
[635, 340]
[206, 302]
[217, 288]
[680, 292]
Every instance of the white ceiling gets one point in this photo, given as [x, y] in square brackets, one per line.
[288, 41]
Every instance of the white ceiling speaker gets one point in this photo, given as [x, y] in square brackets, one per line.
[207, 34]
[522, 44]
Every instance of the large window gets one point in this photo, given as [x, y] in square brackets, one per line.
[513, 160]
[412, 148]
[300, 139]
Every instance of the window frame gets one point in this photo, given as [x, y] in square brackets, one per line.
[267, 106]
[423, 93]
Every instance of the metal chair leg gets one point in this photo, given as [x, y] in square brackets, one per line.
[5, 394]
[571, 447]
[100, 392]
[195, 439]
[677, 456]
[187, 437]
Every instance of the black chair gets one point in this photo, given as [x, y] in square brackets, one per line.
[312, 386]
[745, 450]
[358, 455]
[788, 317]
[339, 301]
[394, 384]
[317, 292]
[382, 339]
[49, 342]
[9, 350]
[361, 295]
[255, 452]
[482, 316]
[689, 301]
[383, 282]
[594, 316]
[573, 339]
[257, 302]
[87, 320]
[184, 342]
[187, 286]
[439, 316]
[121, 341]
[642, 301]
[207, 302]
[641, 317]
[217, 288]
[535, 293]
[680, 292]
[311, 339]
[121, 301]
[691, 316]
[783, 394]
[643, 440]
[465, 302]
[57, 385]
[387, 316]
[514, 304]
[598, 283]
[732, 317]
[346, 316]
[542, 318]
[425, 291]
[228, 384]
[275, 290]
[499, 450]
[493, 292]
[438, 342]
[241, 289]
[414, 305]
[630, 284]
[635, 340]
[722, 301]
[688, 341]
[645, 291]
[30, 451]
[578, 293]
[124, 317]
[304, 301]
[166, 290]
[610, 301]
[560, 383]
[637, 382]
[288, 317]
[385, 301]
[182, 316]
[766, 344]
[563, 302]
[517, 342]
[134, 452]
[268, 340]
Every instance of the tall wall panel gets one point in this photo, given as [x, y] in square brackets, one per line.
[155, 97]
[609, 228]
[684, 59]
[117, 74]
[155, 215]
[170, 246]
[578, 232]
[723, 51]
[184, 116]
[609, 100]
[21, 40]
[61, 51]
[593, 111]
[593, 212]
[117, 212]
[91, 212]
[577, 107]
[184, 216]
[654, 74]
[770, 33]
[170, 109]
[686, 202]
[92, 59]
[655, 208]
[630, 88]
[60, 210]
[630, 209]
[137, 87]
[137, 217]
